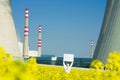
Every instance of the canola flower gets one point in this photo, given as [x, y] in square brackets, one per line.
[18, 70]
[96, 64]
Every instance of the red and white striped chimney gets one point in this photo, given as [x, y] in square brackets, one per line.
[26, 30]
[39, 40]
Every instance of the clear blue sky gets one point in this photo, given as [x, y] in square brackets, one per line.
[68, 25]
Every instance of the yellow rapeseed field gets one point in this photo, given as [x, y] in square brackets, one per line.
[17, 70]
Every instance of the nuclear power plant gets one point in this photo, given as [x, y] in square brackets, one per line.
[8, 37]
[109, 38]
[108, 41]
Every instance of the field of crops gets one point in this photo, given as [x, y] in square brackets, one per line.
[30, 70]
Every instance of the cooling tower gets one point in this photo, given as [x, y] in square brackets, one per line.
[109, 38]
[8, 38]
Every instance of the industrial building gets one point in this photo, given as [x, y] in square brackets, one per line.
[108, 41]
[109, 38]
[8, 37]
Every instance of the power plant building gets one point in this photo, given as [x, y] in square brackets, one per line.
[109, 38]
[108, 41]
[8, 37]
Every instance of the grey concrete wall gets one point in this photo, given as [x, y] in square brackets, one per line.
[109, 38]
[8, 37]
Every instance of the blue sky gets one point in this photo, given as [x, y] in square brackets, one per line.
[67, 25]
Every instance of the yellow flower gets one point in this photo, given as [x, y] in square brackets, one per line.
[2, 52]
[18, 70]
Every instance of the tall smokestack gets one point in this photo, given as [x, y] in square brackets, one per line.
[25, 45]
[92, 48]
[39, 39]
[8, 37]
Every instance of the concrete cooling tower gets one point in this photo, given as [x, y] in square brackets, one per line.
[109, 38]
[8, 38]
